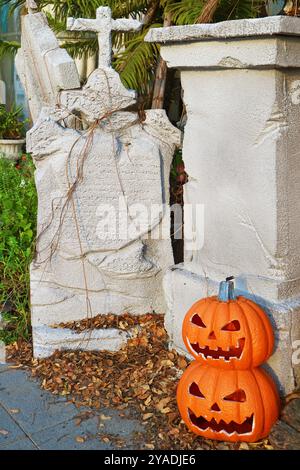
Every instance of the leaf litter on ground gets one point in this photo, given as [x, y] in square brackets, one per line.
[140, 379]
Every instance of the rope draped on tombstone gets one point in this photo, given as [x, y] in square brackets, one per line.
[73, 184]
[103, 25]
[65, 114]
[88, 134]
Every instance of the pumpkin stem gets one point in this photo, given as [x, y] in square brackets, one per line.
[226, 291]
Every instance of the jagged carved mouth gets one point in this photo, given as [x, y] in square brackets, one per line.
[222, 426]
[233, 352]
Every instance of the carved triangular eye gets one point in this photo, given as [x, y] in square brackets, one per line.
[196, 320]
[195, 390]
[238, 395]
[232, 326]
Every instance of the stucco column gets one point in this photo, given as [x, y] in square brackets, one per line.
[2, 92]
[241, 82]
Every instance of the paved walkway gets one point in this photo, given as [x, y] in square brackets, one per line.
[31, 418]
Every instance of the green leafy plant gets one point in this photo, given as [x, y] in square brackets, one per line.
[8, 48]
[12, 125]
[18, 208]
[135, 60]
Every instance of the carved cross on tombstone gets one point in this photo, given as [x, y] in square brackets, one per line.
[103, 25]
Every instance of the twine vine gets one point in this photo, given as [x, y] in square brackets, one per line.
[73, 183]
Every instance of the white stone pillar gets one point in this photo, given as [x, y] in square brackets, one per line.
[2, 92]
[241, 83]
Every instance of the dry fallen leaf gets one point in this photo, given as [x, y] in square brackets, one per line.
[165, 411]
[162, 403]
[182, 363]
[167, 363]
[149, 446]
[80, 439]
[244, 446]
[148, 401]
[104, 417]
[292, 396]
[147, 416]
[268, 447]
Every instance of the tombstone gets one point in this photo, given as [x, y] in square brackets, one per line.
[102, 179]
[241, 82]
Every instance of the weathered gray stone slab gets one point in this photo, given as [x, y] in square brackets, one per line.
[44, 68]
[272, 26]
[278, 52]
[119, 275]
[48, 340]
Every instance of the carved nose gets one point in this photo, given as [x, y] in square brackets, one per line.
[212, 335]
[215, 407]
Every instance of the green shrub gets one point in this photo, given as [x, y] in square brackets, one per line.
[18, 207]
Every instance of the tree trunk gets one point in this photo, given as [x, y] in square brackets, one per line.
[161, 71]
[151, 12]
[161, 77]
[208, 11]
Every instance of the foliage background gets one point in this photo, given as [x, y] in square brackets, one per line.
[140, 68]
[18, 211]
[136, 60]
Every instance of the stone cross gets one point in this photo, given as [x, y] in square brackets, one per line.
[103, 25]
[31, 6]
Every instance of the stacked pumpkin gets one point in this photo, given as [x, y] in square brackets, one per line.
[224, 394]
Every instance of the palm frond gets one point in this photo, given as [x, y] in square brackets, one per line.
[87, 9]
[208, 11]
[137, 63]
[183, 12]
[190, 12]
[81, 47]
[239, 9]
[8, 48]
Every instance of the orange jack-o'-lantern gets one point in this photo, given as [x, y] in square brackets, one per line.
[228, 332]
[228, 405]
